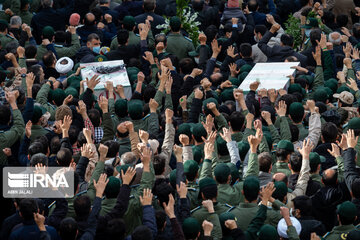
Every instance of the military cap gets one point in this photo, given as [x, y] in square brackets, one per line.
[295, 88]
[100, 58]
[135, 109]
[285, 144]
[222, 172]
[309, 79]
[235, 81]
[209, 100]
[342, 88]
[314, 160]
[320, 95]
[224, 217]
[227, 94]
[242, 76]
[268, 232]
[37, 114]
[191, 228]
[2, 21]
[112, 188]
[280, 190]
[246, 68]
[332, 83]
[172, 178]
[345, 97]
[353, 235]
[251, 185]
[72, 91]
[296, 110]
[122, 167]
[243, 149]
[205, 182]
[185, 128]
[121, 107]
[347, 209]
[191, 167]
[175, 22]
[329, 92]
[221, 146]
[199, 131]
[48, 32]
[129, 22]
[311, 23]
[233, 171]
[58, 95]
[354, 123]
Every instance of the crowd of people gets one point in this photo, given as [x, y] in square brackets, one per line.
[183, 152]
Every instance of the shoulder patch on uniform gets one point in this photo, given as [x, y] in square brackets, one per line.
[80, 193]
[187, 38]
[230, 209]
[146, 116]
[59, 46]
[326, 234]
[192, 189]
[195, 209]
[136, 34]
[228, 205]
[134, 186]
[10, 36]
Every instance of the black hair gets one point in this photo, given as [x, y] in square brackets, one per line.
[115, 229]
[190, 176]
[39, 158]
[301, 81]
[35, 69]
[28, 206]
[304, 204]
[149, 5]
[186, 65]
[330, 179]
[35, 148]
[49, 59]
[250, 194]
[260, 29]
[355, 188]
[64, 157]
[92, 36]
[94, 116]
[315, 34]
[159, 164]
[81, 139]
[313, 167]
[141, 232]
[287, 40]
[329, 132]
[294, 130]
[3, 27]
[74, 131]
[30, 51]
[253, 5]
[265, 161]
[68, 228]
[209, 192]
[5, 114]
[43, 140]
[35, 89]
[328, 18]
[342, 20]
[82, 206]
[160, 216]
[60, 37]
[245, 50]
[303, 3]
[55, 145]
[161, 190]
[113, 148]
[122, 36]
[211, 32]
[289, 99]
[148, 93]
[356, 30]
[228, 28]
[98, 13]
[345, 220]
[295, 161]
[281, 154]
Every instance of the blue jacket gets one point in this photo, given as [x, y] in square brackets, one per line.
[30, 231]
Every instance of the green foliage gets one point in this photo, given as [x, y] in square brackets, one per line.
[292, 26]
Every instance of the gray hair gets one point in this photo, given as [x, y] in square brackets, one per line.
[15, 20]
[47, 3]
[128, 158]
[335, 38]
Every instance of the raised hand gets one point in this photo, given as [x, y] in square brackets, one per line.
[209, 124]
[209, 205]
[86, 151]
[335, 150]
[226, 135]
[28, 129]
[182, 190]
[351, 139]
[91, 84]
[306, 149]
[169, 208]
[184, 140]
[103, 150]
[281, 109]
[128, 176]
[146, 198]
[100, 185]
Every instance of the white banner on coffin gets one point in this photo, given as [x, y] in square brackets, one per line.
[270, 75]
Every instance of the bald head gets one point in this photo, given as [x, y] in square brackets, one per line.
[329, 177]
[89, 19]
[280, 177]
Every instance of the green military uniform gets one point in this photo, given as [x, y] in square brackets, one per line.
[179, 45]
[244, 213]
[316, 177]
[8, 138]
[303, 132]
[42, 98]
[238, 136]
[14, 6]
[37, 131]
[120, 106]
[193, 194]
[339, 232]
[134, 39]
[61, 51]
[281, 167]
[230, 194]
[26, 17]
[5, 39]
[107, 205]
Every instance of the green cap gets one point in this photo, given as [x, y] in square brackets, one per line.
[129, 22]
[48, 32]
[222, 172]
[280, 191]
[121, 107]
[342, 88]
[295, 88]
[251, 186]
[191, 228]
[227, 94]
[185, 128]
[175, 22]
[242, 76]
[314, 160]
[246, 68]
[37, 114]
[209, 100]
[208, 181]
[122, 167]
[296, 110]
[285, 144]
[198, 154]
[243, 149]
[112, 188]
[328, 91]
[347, 209]
[311, 23]
[233, 171]
[320, 95]
[353, 235]
[268, 232]
[100, 58]
[221, 146]
[135, 109]
[172, 178]
[199, 131]
[224, 217]
[235, 81]
[354, 123]
[191, 167]
[58, 95]
[2, 21]
[72, 91]
[332, 83]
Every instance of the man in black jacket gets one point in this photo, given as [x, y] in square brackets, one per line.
[279, 53]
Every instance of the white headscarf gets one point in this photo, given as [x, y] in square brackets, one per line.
[64, 68]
